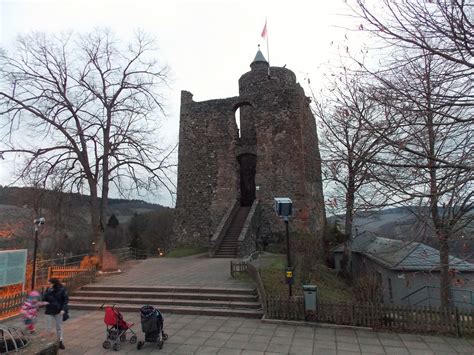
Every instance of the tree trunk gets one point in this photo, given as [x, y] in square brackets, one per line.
[346, 261]
[445, 279]
[105, 183]
[97, 229]
[103, 212]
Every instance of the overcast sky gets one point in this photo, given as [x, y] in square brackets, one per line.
[208, 45]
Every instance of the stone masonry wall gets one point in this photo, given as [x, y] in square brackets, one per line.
[288, 161]
[207, 170]
[278, 127]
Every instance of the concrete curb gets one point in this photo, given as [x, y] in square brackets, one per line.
[312, 324]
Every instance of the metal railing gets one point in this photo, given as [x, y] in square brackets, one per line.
[431, 296]
[122, 254]
[73, 276]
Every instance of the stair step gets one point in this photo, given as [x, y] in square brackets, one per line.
[141, 300]
[170, 289]
[229, 244]
[176, 309]
[175, 296]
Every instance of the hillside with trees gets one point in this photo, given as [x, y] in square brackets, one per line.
[67, 228]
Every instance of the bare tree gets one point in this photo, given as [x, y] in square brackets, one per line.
[442, 28]
[348, 146]
[87, 109]
[427, 156]
[426, 89]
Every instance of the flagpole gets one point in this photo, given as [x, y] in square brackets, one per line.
[268, 48]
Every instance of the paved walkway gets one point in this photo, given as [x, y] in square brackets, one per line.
[85, 331]
[190, 271]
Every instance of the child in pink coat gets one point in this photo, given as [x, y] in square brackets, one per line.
[29, 310]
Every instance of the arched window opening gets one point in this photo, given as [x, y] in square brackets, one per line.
[237, 121]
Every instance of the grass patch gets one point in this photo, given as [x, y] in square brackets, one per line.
[242, 277]
[186, 251]
[331, 288]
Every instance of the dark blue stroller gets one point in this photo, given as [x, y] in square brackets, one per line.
[152, 326]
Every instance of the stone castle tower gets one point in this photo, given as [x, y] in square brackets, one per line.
[275, 154]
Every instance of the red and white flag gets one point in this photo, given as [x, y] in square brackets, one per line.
[264, 31]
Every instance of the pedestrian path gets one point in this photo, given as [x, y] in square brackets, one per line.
[199, 271]
[206, 334]
[85, 332]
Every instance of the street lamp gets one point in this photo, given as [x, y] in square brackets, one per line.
[284, 209]
[38, 222]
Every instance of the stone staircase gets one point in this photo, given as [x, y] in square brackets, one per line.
[238, 302]
[228, 246]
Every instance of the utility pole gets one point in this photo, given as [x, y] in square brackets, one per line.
[38, 222]
[284, 209]
[288, 255]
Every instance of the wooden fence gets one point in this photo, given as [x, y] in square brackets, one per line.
[285, 308]
[237, 268]
[377, 316]
[64, 272]
[10, 305]
[77, 280]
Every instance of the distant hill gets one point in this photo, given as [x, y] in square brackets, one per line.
[34, 198]
[67, 227]
[405, 224]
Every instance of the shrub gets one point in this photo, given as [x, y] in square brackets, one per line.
[89, 262]
[367, 288]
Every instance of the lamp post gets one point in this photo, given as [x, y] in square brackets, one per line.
[38, 222]
[288, 256]
[284, 209]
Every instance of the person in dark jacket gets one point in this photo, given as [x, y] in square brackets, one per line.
[57, 307]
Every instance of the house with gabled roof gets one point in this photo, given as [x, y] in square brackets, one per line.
[408, 271]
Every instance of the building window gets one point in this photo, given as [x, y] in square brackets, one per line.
[390, 291]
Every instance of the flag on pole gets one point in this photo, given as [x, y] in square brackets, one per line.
[264, 31]
[264, 35]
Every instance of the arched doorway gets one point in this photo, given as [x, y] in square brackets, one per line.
[248, 165]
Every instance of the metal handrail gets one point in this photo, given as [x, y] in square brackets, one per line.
[125, 253]
[410, 294]
[435, 295]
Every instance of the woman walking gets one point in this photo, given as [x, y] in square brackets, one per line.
[57, 307]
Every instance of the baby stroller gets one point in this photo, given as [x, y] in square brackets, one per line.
[116, 329]
[152, 326]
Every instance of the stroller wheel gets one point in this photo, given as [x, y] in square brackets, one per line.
[160, 345]
[116, 347]
[113, 335]
[165, 336]
[123, 337]
[139, 345]
[133, 339]
[106, 344]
